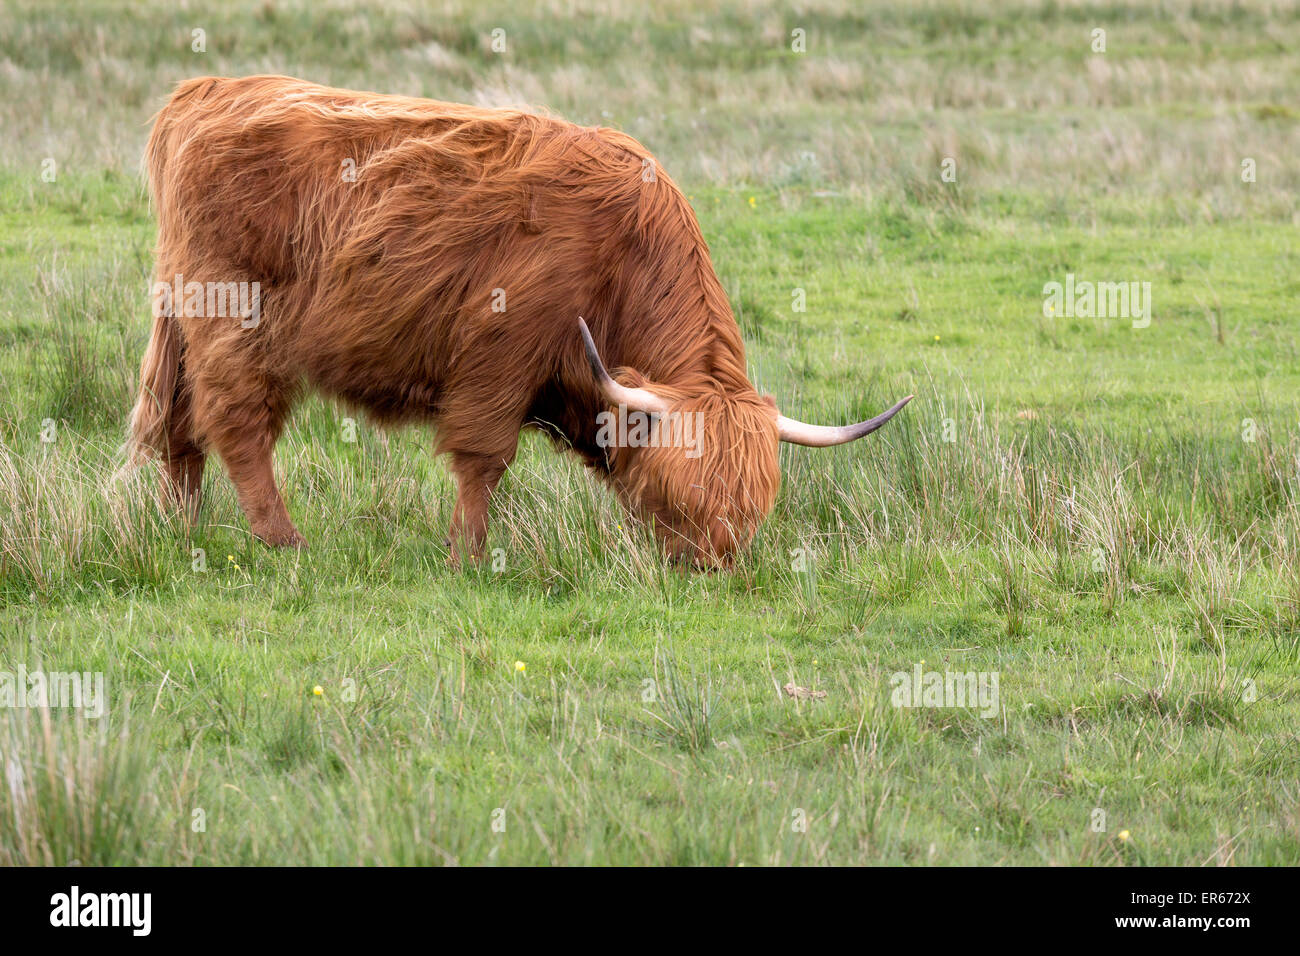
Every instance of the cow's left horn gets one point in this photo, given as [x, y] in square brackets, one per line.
[823, 436]
[639, 399]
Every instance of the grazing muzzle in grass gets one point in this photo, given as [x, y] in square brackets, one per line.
[700, 464]
[707, 476]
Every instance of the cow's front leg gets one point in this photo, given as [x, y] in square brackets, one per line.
[476, 477]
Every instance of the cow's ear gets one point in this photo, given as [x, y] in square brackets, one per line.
[770, 402]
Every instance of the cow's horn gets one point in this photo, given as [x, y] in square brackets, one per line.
[639, 399]
[823, 436]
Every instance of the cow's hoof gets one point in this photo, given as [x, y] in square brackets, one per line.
[282, 539]
[457, 560]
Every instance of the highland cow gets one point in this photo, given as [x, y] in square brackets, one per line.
[428, 261]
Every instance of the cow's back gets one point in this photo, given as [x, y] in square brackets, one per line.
[254, 169]
[410, 250]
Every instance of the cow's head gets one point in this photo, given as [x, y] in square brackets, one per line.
[700, 466]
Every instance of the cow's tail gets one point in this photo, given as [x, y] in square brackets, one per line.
[162, 391]
[160, 380]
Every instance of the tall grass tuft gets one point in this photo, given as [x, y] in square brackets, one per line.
[683, 715]
[76, 792]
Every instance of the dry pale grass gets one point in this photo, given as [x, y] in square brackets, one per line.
[1015, 93]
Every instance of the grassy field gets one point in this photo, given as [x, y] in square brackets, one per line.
[1104, 516]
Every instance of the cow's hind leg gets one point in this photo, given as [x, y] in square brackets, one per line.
[241, 420]
[185, 477]
[184, 457]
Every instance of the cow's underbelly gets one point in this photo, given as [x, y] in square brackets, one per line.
[382, 391]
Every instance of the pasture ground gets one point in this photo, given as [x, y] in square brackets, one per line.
[1104, 516]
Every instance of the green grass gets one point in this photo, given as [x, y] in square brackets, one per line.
[1069, 503]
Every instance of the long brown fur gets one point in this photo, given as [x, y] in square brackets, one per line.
[380, 292]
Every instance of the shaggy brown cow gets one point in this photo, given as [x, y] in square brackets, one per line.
[424, 260]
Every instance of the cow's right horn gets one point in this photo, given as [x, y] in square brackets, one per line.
[824, 436]
[639, 399]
